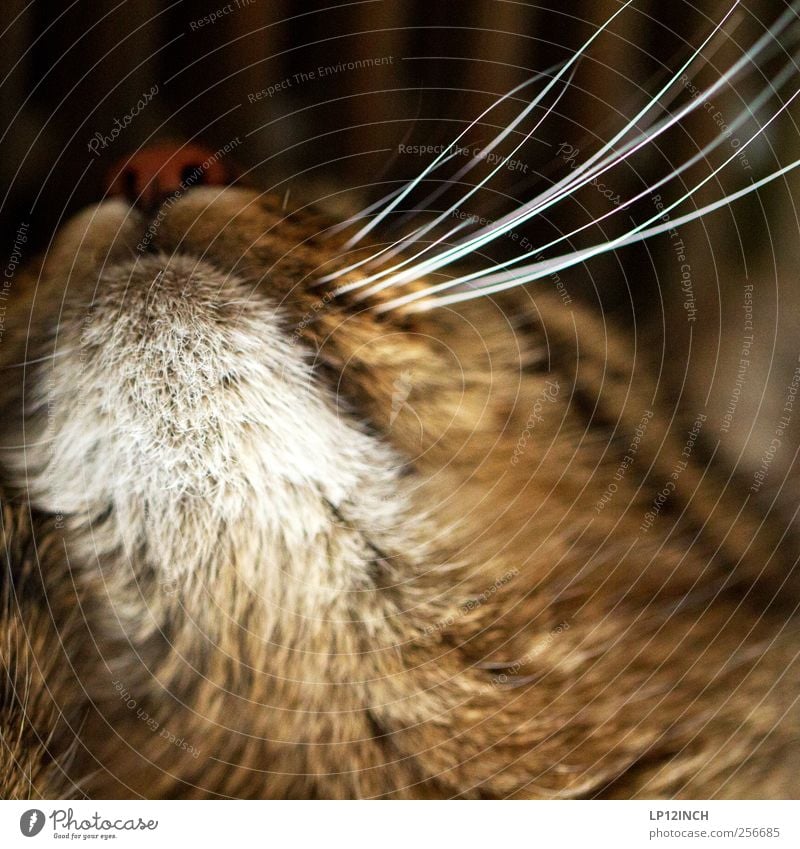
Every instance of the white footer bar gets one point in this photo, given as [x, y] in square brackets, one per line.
[402, 825]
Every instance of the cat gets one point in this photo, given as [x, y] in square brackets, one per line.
[283, 523]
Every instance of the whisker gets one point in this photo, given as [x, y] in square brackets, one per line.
[584, 174]
[415, 182]
[364, 213]
[647, 137]
[401, 245]
[647, 122]
[443, 216]
[341, 272]
[25, 363]
[576, 179]
[442, 158]
[547, 267]
[473, 161]
[359, 283]
[488, 276]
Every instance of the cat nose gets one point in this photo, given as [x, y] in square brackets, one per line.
[152, 174]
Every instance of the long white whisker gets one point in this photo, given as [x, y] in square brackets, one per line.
[473, 161]
[401, 244]
[582, 256]
[603, 154]
[493, 283]
[647, 137]
[43, 359]
[447, 154]
[567, 65]
[571, 184]
[781, 78]
[443, 238]
[341, 272]
[648, 121]
[366, 212]
[443, 216]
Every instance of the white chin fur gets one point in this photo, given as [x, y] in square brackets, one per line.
[178, 411]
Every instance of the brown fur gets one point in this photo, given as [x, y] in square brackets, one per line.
[513, 641]
[41, 703]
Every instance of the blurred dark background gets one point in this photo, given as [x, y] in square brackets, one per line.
[85, 83]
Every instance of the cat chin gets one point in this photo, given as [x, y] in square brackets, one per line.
[178, 429]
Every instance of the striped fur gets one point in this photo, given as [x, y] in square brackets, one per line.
[422, 587]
